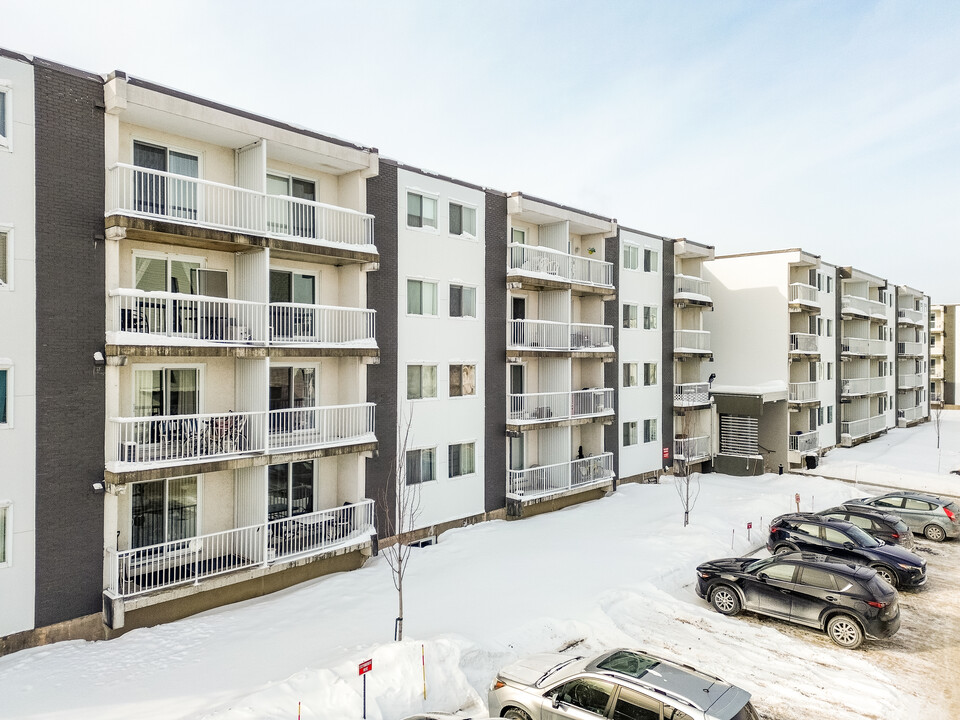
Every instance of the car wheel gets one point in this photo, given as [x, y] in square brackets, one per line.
[516, 714]
[725, 600]
[781, 549]
[845, 631]
[886, 573]
[935, 533]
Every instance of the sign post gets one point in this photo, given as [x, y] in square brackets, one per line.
[365, 667]
[749, 527]
[796, 499]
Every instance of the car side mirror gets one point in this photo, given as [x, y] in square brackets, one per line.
[849, 545]
[763, 576]
[556, 700]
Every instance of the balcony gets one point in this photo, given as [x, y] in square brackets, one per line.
[691, 394]
[691, 289]
[803, 392]
[805, 442]
[168, 440]
[911, 349]
[691, 342]
[553, 264]
[936, 373]
[937, 348]
[551, 406]
[911, 317]
[803, 297]
[804, 344]
[862, 386]
[863, 346]
[193, 560]
[861, 307]
[910, 414]
[546, 480]
[153, 194]
[861, 428]
[164, 318]
[550, 335]
[910, 381]
[691, 449]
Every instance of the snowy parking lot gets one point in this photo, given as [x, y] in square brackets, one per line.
[618, 571]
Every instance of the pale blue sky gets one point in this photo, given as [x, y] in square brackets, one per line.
[832, 126]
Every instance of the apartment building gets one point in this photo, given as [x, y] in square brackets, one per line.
[913, 356]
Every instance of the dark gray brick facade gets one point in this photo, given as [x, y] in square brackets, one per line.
[70, 329]
[495, 351]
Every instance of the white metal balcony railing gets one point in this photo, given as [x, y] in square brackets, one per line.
[803, 293]
[691, 340]
[541, 481]
[862, 305]
[803, 392]
[164, 315]
[151, 193]
[176, 439]
[192, 560]
[803, 343]
[688, 394]
[534, 407]
[863, 346]
[691, 284]
[912, 316]
[533, 258]
[866, 426]
[910, 414]
[805, 441]
[549, 335]
[691, 449]
[910, 380]
[910, 348]
[862, 386]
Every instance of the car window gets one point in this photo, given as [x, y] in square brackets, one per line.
[818, 578]
[747, 712]
[901, 527]
[780, 571]
[911, 504]
[861, 522]
[632, 705]
[809, 529]
[587, 693]
[889, 502]
[670, 713]
[834, 536]
[861, 538]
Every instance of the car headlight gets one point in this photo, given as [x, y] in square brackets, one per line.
[904, 566]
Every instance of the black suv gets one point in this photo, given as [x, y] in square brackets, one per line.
[874, 521]
[845, 541]
[846, 600]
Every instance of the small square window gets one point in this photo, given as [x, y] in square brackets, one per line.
[421, 382]
[421, 210]
[463, 301]
[461, 460]
[463, 380]
[649, 318]
[650, 430]
[631, 257]
[651, 260]
[649, 374]
[630, 375]
[463, 220]
[421, 297]
[518, 236]
[630, 316]
[421, 466]
[629, 433]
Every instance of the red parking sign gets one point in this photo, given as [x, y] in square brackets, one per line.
[366, 666]
[666, 453]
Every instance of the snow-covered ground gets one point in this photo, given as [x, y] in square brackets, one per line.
[614, 572]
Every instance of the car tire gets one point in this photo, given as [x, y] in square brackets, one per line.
[887, 574]
[516, 714]
[935, 533]
[781, 549]
[845, 631]
[725, 600]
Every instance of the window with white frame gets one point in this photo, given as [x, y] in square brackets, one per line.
[421, 297]
[518, 236]
[829, 371]
[461, 460]
[166, 391]
[421, 382]
[463, 220]
[421, 210]
[5, 255]
[650, 374]
[650, 430]
[629, 433]
[6, 533]
[463, 301]
[463, 380]
[829, 414]
[649, 317]
[651, 260]
[421, 466]
[629, 316]
[166, 185]
[630, 374]
[829, 284]
[6, 393]
[631, 257]
[6, 119]
[290, 489]
[163, 511]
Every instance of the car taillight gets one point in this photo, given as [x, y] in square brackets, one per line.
[773, 529]
[950, 514]
[895, 536]
[880, 605]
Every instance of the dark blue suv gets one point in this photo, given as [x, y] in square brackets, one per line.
[845, 541]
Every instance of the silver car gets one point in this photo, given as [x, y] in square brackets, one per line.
[618, 684]
[937, 518]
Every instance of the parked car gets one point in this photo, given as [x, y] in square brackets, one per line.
[619, 684]
[874, 521]
[845, 541]
[844, 599]
[937, 518]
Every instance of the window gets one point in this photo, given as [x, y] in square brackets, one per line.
[166, 391]
[4, 256]
[421, 466]
[6, 531]
[630, 316]
[651, 260]
[829, 284]
[285, 217]
[834, 536]
[289, 292]
[829, 414]
[289, 489]
[463, 380]
[463, 220]
[163, 194]
[649, 374]
[911, 504]
[632, 705]
[819, 578]
[518, 236]
[587, 693]
[421, 381]
[167, 273]
[163, 511]
[460, 460]
[819, 416]
[782, 572]
[650, 430]
[293, 392]
[463, 301]
[629, 433]
[421, 210]
[829, 371]
[421, 297]
[649, 317]
[6, 392]
[630, 375]
[631, 257]
[6, 121]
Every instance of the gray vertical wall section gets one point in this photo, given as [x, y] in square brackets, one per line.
[666, 344]
[383, 296]
[495, 353]
[611, 370]
[70, 329]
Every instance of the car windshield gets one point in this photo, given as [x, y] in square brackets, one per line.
[861, 538]
[628, 663]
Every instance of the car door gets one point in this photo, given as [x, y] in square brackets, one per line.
[895, 505]
[806, 536]
[840, 546]
[815, 590]
[916, 513]
[774, 589]
[632, 705]
[582, 698]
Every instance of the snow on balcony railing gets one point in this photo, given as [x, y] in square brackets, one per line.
[321, 324]
[803, 293]
[862, 386]
[803, 392]
[862, 305]
[321, 426]
[151, 193]
[687, 394]
[691, 449]
[545, 480]
[692, 285]
[805, 442]
[547, 261]
[533, 407]
[192, 560]
[866, 426]
[694, 340]
[803, 343]
[863, 346]
[549, 335]
[911, 316]
[910, 348]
